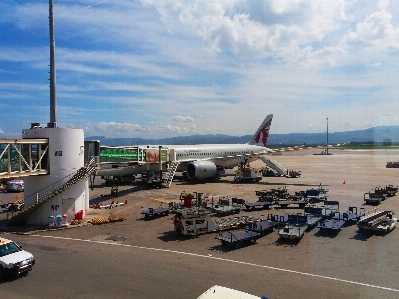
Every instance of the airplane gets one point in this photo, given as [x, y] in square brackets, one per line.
[207, 161]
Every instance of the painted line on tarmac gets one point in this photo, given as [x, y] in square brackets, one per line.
[225, 260]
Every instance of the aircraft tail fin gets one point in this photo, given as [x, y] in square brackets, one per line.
[262, 133]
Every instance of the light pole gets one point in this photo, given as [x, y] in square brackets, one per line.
[327, 137]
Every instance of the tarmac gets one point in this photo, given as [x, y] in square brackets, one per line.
[348, 174]
[350, 257]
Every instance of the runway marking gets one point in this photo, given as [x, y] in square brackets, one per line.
[226, 260]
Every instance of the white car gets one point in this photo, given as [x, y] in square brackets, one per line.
[14, 260]
[15, 186]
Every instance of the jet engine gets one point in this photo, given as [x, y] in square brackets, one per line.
[202, 170]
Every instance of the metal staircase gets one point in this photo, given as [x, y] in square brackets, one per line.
[170, 173]
[273, 164]
[35, 201]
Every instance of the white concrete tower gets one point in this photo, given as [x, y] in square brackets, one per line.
[66, 156]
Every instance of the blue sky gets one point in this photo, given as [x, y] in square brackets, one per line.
[156, 69]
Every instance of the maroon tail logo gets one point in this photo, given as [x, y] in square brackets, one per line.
[264, 133]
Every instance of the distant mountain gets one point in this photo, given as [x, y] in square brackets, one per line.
[380, 134]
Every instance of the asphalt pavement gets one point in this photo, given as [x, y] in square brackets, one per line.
[136, 258]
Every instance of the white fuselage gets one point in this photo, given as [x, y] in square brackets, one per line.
[225, 155]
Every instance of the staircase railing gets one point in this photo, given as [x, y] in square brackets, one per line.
[32, 202]
[171, 173]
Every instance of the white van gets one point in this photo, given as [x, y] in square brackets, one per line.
[14, 260]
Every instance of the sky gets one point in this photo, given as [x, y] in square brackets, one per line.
[155, 69]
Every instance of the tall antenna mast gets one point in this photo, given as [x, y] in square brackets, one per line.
[53, 99]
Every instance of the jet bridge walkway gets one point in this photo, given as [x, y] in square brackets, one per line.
[122, 154]
[23, 157]
[132, 155]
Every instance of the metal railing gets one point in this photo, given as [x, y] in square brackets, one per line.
[60, 185]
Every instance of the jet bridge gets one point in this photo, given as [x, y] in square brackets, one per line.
[122, 154]
[23, 157]
[133, 155]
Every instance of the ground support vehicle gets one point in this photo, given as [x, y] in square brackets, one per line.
[314, 215]
[13, 260]
[281, 193]
[382, 191]
[331, 225]
[223, 206]
[237, 237]
[317, 195]
[224, 210]
[268, 172]
[392, 165]
[279, 219]
[282, 203]
[262, 227]
[387, 191]
[334, 224]
[195, 199]
[378, 221]
[294, 228]
[391, 190]
[235, 222]
[247, 174]
[352, 214]
[293, 174]
[153, 213]
[257, 204]
[324, 152]
[238, 201]
[330, 207]
[196, 221]
[373, 198]
[264, 193]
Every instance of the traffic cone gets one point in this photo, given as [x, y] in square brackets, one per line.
[344, 182]
[126, 202]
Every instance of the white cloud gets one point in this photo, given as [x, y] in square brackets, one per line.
[375, 31]
[254, 29]
[182, 118]
[227, 63]
[113, 129]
